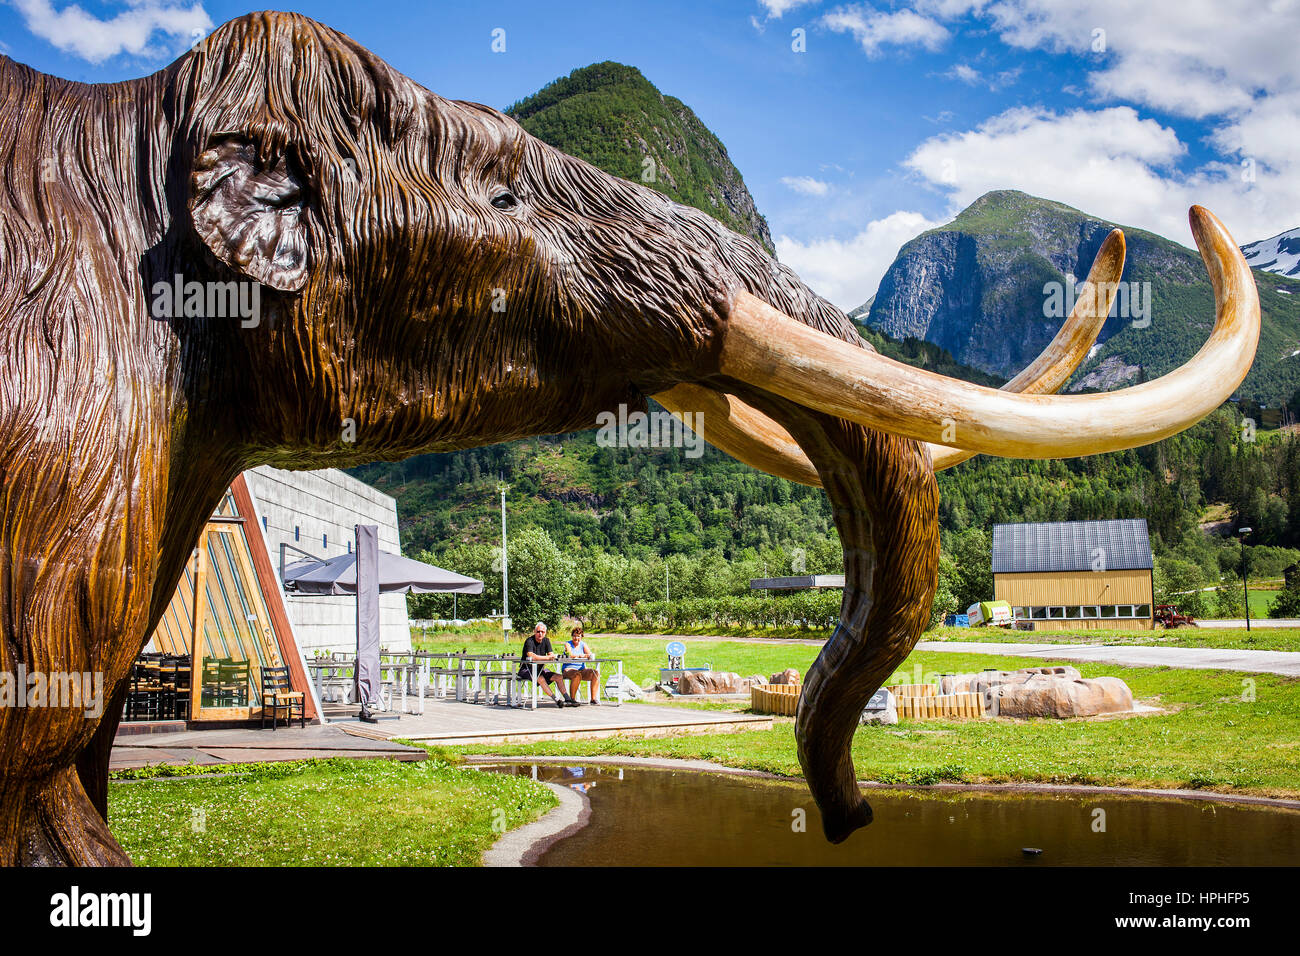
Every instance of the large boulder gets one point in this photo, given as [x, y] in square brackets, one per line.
[1053, 691]
[787, 676]
[1045, 695]
[711, 682]
[981, 682]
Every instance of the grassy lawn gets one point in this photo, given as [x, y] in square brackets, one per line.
[1212, 736]
[334, 812]
[1261, 601]
[1257, 639]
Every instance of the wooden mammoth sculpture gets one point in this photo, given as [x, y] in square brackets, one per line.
[426, 274]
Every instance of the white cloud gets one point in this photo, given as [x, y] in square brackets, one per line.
[1110, 163]
[950, 9]
[1195, 58]
[806, 185]
[874, 29]
[966, 74]
[849, 272]
[777, 8]
[1268, 132]
[1228, 63]
[82, 34]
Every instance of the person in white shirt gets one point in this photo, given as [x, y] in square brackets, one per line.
[576, 650]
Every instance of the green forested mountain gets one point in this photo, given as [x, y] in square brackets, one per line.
[976, 287]
[614, 118]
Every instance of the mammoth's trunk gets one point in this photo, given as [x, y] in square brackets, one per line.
[885, 504]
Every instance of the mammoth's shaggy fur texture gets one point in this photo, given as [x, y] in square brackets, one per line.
[428, 272]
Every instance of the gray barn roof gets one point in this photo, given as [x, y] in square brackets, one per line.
[1071, 546]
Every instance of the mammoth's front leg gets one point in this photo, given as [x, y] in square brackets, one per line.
[58, 669]
[46, 817]
[51, 822]
[885, 503]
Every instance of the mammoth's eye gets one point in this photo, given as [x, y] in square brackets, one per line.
[505, 199]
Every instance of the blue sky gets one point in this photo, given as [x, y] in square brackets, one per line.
[890, 119]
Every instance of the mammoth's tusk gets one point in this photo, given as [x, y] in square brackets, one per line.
[743, 432]
[748, 435]
[769, 350]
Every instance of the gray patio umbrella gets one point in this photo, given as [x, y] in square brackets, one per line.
[396, 573]
[378, 572]
[369, 681]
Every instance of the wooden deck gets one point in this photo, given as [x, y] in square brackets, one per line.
[450, 722]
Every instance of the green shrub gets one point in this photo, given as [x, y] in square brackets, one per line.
[1228, 601]
[1287, 602]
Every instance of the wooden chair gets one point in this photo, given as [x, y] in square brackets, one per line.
[145, 694]
[279, 695]
[176, 671]
[233, 683]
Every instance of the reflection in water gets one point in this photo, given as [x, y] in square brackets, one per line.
[651, 817]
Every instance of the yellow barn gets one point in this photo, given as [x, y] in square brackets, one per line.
[1069, 575]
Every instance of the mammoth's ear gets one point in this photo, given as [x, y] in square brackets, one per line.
[250, 214]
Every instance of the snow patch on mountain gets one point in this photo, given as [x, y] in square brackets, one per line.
[1280, 254]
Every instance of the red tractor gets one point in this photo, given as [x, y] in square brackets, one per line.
[1167, 615]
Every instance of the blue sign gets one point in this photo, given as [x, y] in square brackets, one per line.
[676, 649]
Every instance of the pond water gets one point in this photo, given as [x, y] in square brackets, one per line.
[653, 817]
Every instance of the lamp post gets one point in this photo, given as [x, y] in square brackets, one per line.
[1245, 588]
[502, 487]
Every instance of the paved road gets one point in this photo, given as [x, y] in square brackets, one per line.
[1286, 663]
[1254, 622]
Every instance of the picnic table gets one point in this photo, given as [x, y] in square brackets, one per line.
[341, 675]
[534, 666]
[467, 676]
[462, 674]
[475, 673]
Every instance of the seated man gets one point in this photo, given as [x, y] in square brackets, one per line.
[538, 648]
[576, 649]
